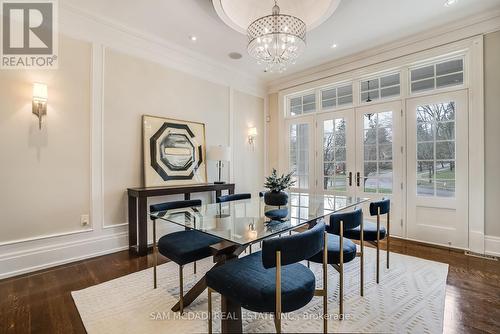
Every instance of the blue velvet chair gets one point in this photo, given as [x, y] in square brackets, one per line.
[233, 197]
[373, 232]
[182, 247]
[342, 250]
[273, 280]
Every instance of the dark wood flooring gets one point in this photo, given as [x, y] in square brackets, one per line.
[41, 302]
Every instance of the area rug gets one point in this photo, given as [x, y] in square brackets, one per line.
[409, 298]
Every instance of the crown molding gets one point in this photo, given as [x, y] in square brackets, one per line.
[472, 26]
[78, 23]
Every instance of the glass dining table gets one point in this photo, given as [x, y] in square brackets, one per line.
[242, 223]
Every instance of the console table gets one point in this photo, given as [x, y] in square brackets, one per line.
[138, 208]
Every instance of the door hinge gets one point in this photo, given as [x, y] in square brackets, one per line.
[401, 222]
[402, 149]
[401, 112]
[401, 185]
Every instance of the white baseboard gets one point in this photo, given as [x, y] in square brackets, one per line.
[492, 245]
[28, 260]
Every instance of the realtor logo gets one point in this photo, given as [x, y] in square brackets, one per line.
[29, 34]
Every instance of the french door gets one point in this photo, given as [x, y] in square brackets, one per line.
[437, 168]
[358, 153]
[379, 157]
[300, 149]
[335, 155]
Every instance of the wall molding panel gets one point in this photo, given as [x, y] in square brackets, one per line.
[492, 245]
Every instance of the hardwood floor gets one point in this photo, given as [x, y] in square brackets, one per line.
[41, 302]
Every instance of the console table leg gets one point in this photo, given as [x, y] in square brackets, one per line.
[143, 226]
[132, 221]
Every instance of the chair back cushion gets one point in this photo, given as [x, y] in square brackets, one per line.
[174, 205]
[384, 204]
[294, 248]
[233, 197]
[351, 219]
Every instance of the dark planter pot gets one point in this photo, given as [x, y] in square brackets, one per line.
[276, 198]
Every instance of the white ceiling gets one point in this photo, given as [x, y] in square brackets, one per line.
[356, 25]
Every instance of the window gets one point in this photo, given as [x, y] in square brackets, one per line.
[380, 88]
[299, 154]
[304, 104]
[436, 150]
[439, 75]
[299, 207]
[334, 155]
[378, 152]
[335, 97]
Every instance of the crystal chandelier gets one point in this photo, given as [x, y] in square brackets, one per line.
[276, 40]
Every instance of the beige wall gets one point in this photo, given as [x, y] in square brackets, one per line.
[45, 175]
[273, 148]
[492, 132]
[248, 161]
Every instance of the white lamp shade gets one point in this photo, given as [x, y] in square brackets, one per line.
[252, 132]
[219, 153]
[40, 92]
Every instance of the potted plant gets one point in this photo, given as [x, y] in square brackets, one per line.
[276, 184]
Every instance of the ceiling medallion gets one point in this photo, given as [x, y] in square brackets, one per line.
[276, 40]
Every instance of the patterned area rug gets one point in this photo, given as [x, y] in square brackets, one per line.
[409, 298]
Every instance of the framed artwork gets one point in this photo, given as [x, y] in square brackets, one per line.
[174, 152]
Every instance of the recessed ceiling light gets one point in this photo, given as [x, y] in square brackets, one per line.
[235, 55]
[449, 3]
[193, 38]
[334, 46]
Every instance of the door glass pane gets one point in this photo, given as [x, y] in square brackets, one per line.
[334, 155]
[299, 154]
[436, 150]
[378, 168]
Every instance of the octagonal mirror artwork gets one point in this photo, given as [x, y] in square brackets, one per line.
[174, 152]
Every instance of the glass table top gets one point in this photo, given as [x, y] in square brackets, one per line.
[249, 221]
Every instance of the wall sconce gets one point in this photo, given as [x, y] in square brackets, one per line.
[252, 133]
[40, 101]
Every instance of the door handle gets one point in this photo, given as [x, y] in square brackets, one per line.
[358, 178]
[350, 179]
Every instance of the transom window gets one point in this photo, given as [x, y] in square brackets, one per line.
[335, 97]
[304, 104]
[380, 88]
[436, 150]
[439, 75]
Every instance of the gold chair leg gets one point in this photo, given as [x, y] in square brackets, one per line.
[155, 255]
[277, 313]
[378, 244]
[181, 291]
[209, 311]
[341, 272]
[325, 284]
[388, 237]
[361, 263]
[194, 267]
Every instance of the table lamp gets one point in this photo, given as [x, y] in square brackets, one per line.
[219, 153]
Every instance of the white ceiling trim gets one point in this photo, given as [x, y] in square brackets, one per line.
[475, 25]
[88, 26]
[241, 27]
